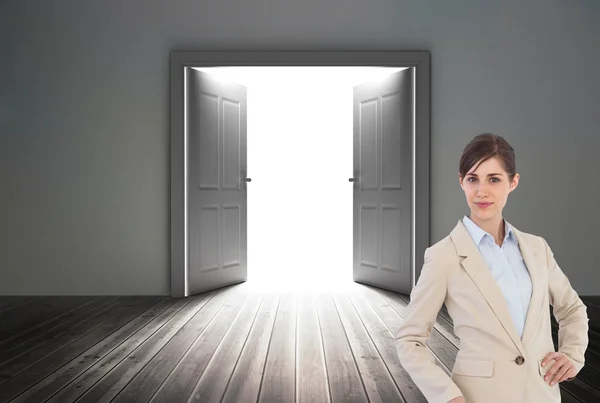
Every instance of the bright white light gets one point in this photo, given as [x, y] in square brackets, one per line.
[300, 158]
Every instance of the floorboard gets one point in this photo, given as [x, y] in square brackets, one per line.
[312, 385]
[376, 378]
[53, 329]
[39, 310]
[206, 337]
[279, 377]
[53, 356]
[345, 383]
[118, 361]
[10, 302]
[235, 344]
[383, 338]
[100, 358]
[144, 370]
[244, 383]
[213, 380]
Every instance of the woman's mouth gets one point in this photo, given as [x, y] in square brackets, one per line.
[483, 205]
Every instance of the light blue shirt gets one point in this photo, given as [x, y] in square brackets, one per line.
[507, 267]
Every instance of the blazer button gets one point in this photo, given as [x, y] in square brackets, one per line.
[520, 360]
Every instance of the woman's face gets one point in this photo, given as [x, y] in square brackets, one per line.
[488, 184]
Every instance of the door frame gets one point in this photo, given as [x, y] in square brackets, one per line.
[419, 60]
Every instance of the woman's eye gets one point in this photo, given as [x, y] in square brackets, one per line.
[493, 179]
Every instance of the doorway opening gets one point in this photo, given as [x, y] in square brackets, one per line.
[299, 157]
[308, 227]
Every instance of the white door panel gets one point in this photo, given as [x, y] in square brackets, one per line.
[217, 193]
[383, 125]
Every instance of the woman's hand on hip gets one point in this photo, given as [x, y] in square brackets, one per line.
[459, 399]
[561, 370]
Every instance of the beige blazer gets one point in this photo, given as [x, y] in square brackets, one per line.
[493, 364]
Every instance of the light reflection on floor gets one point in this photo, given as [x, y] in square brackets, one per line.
[300, 282]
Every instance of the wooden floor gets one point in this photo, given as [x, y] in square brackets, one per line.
[232, 345]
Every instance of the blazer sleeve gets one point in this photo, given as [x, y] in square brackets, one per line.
[569, 311]
[426, 299]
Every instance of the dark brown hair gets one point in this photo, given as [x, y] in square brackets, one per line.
[485, 146]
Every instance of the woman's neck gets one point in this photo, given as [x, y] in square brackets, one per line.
[494, 227]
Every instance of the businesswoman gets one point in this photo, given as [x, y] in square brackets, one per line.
[497, 283]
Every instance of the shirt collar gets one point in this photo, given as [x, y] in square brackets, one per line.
[477, 233]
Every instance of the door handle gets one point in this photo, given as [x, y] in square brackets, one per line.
[351, 180]
[247, 180]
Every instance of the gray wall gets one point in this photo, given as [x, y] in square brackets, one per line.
[84, 120]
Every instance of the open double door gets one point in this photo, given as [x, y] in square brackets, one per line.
[216, 182]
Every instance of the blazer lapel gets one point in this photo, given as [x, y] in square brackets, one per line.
[477, 268]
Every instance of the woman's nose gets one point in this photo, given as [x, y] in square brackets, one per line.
[482, 189]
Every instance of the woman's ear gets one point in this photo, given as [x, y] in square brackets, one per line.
[515, 182]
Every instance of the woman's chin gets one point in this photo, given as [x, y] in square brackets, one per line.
[484, 214]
